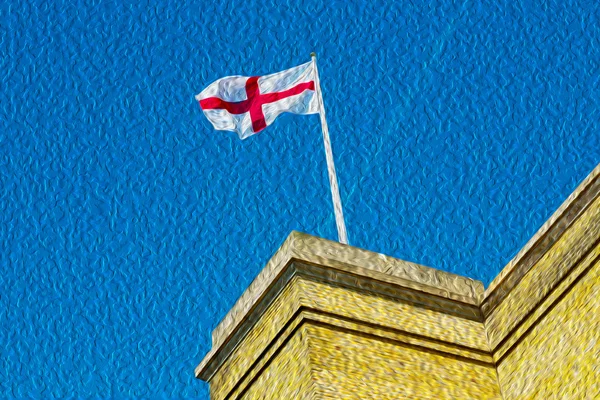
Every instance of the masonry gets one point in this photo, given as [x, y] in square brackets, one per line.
[325, 320]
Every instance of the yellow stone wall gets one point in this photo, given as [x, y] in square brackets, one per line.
[559, 358]
[556, 264]
[259, 346]
[288, 375]
[397, 345]
[351, 365]
[329, 321]
[546, 332]
[439, 329]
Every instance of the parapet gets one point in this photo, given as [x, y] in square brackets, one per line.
[328, 320]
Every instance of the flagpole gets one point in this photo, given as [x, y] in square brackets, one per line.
[335, 193]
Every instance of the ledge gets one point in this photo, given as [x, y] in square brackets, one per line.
[346, 265]
[581, 198]
[318, 260]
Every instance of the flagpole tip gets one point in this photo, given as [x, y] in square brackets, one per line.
[313, 54]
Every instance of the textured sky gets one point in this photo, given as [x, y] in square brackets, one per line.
[129, 226]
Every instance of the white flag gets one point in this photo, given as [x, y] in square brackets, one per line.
[247, 105]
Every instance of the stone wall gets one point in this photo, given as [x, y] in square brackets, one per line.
[330, 321]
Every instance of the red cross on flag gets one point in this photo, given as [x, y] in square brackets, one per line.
[247, 105]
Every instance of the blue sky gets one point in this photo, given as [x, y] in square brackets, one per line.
[129, 226]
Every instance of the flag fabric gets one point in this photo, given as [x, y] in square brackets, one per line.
[247, 105]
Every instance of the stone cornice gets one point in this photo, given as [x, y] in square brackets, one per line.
[344, 265]
[542, 241]
[313, 259]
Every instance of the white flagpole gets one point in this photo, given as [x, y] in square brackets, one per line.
[335, 193]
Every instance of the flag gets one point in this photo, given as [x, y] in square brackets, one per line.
[247, 105]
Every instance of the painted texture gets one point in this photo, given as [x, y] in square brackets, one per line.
[543, 335]
[261, 356]
[254, 348]
[575, 245]
[363, 306]
[128, 227]
[289, 376]
[558, 359]
[344, 264]
[526, 322]
[546, 332]
[350, 366]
